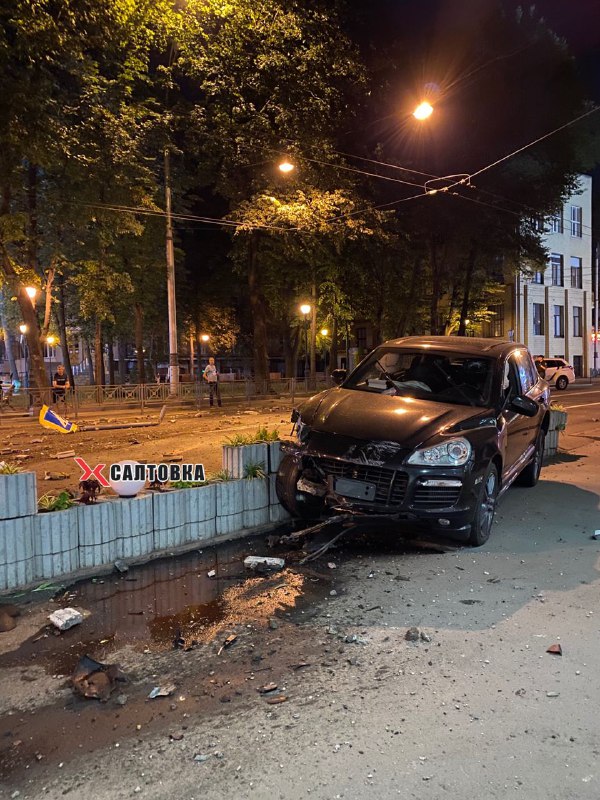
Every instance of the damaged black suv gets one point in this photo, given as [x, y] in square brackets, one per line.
[426, 432]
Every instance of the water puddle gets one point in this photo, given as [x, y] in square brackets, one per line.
[163, 605]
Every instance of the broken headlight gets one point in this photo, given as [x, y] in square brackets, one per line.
[302, 430]
[453, 453]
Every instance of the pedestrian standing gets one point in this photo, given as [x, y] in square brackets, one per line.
[211, 376]
[60, 385]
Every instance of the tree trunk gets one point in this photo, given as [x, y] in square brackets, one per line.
[259, 319]
[451, 307]
[464, 312]
[90, 361]
[59, 313]
[333, 350]
[98, 354]
[121, 346]
[409, 306]
[139, 342]
[313, 337]
[291, 345]
[9, 339]
[435, 291]
[111, 361]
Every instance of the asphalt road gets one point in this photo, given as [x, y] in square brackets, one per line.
[476, 708]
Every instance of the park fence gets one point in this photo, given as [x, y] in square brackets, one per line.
[144, 395]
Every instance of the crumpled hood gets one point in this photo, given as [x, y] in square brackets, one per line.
[374, 417]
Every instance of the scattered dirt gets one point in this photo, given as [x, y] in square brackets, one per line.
[197, 439]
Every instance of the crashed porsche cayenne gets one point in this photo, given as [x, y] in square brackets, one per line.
[425, 432]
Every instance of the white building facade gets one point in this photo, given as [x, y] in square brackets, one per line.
[551, 311]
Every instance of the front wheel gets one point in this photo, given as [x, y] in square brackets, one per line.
[298, 504]
[562, 382]
[481, 526]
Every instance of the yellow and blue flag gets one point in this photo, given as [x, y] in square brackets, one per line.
[50, 419]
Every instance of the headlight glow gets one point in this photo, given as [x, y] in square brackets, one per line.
[453, 453]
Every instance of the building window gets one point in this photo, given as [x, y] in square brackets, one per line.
[538, 319]
[559, 322]
[538, 277]
[578, 366]
[49, 352]
[556, 223]
[558, 270]
[496, 322]
[576, 221]
[361, 338]
[577, 316]
[576, 273]
[537, 223]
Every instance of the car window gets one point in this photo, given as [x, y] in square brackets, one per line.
[527, 372]
[512, 381]
[442, 377]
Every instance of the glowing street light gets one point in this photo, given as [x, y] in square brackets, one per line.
[423, 110]
[324, 332]
[31, 292]
[305, 309]
[286, 166]
[23, 328]
[51, 340]
[204, 337]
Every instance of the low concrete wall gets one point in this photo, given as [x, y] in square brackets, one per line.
[41, 546]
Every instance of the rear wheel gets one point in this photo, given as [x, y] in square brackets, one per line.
[481, 526]
[531, 474]
[298, 504]
[562, 382]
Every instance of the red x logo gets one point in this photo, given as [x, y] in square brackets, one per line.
[88, 472]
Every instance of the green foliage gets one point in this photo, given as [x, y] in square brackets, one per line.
[9, 469]
[256, 470]
[53, 502]
[187, 484]
[220, 476]
[261, 436]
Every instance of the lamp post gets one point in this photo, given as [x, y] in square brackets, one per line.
[305, 310]
[171, 301]
[23, 329]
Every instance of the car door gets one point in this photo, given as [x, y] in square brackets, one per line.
[520, 431]
[551, 366]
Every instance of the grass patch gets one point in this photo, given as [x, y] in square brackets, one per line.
[261, 436]
[9, 469]
[255, 470]
[55, 502]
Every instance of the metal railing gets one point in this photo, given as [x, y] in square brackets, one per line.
[157, 394]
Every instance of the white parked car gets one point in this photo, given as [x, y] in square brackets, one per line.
[557, 372]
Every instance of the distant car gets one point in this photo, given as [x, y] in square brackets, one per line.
[557, 372]
[426, 432]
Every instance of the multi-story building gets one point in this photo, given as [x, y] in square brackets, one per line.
[550, 311]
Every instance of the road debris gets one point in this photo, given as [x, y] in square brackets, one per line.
[66, 618]
[227, 643]
[121, 566]
[263, 563]
[275, 701]
[212, 573]
[353, 638]
[268, 687]
[55, 476]
[7, 617]
[162, 691]
[200, 758]
[94, 680]
[555, 650]
[552, 694]
[596, 535]
[176, 737]
[412, 635]
[65, 454]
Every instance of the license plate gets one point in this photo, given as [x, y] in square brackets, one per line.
[357, 489]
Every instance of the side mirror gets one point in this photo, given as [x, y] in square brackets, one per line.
[338, 376]
[524, 405]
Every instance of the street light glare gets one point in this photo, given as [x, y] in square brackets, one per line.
[23, 328]
[324, 332]
[423, 110]
[286, 166]
[204, 337]
[51, 340]
[31, 292]
[305, 309]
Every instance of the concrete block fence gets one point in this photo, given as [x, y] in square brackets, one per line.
[43, 546]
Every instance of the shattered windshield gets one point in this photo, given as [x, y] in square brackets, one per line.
[441, 377]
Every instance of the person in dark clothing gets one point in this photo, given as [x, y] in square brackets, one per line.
[60, 384]
[211, 376]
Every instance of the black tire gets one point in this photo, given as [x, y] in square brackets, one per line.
[562, 382]
[531, 474]
[298, 504]
[481, 527]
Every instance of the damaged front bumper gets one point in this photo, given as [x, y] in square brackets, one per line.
[434, 498]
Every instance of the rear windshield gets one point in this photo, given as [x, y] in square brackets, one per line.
[441, 377]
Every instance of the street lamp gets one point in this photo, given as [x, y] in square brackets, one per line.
[305, 310]
[23, 328]
[423, 110]
[286, 166]
[204, 337]
[31, 292]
